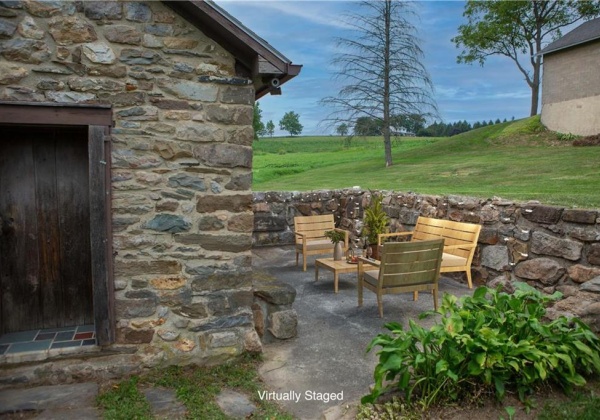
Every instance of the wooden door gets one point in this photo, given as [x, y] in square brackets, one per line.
[45, 258]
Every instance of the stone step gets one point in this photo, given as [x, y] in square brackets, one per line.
[78, 401]
[53, 401]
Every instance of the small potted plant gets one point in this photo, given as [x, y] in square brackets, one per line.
[375, 221]
[337, 237]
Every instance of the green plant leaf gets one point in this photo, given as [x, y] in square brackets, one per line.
[510, 410]
[480, 292]
[393, 362]
[441, 366]
[452, 375]
[499, 385]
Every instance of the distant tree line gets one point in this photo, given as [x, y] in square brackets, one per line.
[412, 125]
[440, 129]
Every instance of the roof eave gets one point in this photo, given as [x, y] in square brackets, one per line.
[244, 44]
[546, 51]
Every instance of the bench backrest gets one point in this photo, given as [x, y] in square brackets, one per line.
[454, 233]
[410, 263]
[314, 227]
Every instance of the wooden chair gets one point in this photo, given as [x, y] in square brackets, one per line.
[460, 241]
[310, 236]
[404, 267]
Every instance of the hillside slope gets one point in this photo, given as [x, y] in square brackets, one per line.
[516, 160]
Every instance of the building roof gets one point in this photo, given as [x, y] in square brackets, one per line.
[586, 32]
[267, 67]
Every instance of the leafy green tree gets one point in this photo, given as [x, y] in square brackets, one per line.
[367, 126]
[291, 123]
[381, 68]
[342, 129]
[270, 127]
[518, 30]
[257, 124]
[410, 122]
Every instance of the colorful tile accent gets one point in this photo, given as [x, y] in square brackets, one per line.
[45, 336]
[64, 336]
[30, 346]
[18, 337]
[83, 336]
[64, 344]
[47, 339]
[86, 328]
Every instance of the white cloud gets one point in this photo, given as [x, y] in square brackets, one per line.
[317, 12]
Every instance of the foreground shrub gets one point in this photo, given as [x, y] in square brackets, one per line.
[489, 342]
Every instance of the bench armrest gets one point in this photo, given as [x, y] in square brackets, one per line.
[468, 246]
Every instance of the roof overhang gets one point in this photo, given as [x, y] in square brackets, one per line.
[268, 68]
[585, 33]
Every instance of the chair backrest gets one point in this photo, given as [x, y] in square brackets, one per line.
[410, 263]
[314, 227]
[454, 233]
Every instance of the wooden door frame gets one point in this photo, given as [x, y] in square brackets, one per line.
[98, 119]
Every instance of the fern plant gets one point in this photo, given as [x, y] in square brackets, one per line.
[375, 219]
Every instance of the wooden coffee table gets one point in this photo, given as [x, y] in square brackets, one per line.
[336, 266]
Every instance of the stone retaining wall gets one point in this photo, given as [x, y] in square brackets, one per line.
[550, 247]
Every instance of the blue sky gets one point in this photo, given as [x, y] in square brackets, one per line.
[304, 31]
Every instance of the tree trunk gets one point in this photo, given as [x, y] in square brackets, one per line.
[535, 88]
[386, 86]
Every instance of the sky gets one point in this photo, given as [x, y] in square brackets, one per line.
[305, 31]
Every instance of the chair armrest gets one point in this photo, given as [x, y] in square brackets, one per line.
[388, 235]
[300, 236]
[361, 269]
[370, 261]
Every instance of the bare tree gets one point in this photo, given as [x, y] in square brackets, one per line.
[381, 69]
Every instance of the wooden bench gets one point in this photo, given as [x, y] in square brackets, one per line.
[460, 241]
[310, 236]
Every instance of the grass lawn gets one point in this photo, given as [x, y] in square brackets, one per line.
[517, 160]
[195, 386]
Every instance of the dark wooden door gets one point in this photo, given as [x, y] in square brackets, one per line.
[45, 261]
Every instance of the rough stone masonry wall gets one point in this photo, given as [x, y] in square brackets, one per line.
[181, 163]
[552, 248]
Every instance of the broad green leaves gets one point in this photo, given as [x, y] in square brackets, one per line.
[491, 340]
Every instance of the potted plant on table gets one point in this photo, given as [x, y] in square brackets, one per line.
[337, 237]
[375, 221]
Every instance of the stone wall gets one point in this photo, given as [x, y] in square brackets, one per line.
[552, 248]
[181, 163]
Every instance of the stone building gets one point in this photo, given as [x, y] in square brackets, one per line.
[125, 177]
[571, 81]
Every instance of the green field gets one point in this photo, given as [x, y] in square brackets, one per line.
[517, 160]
